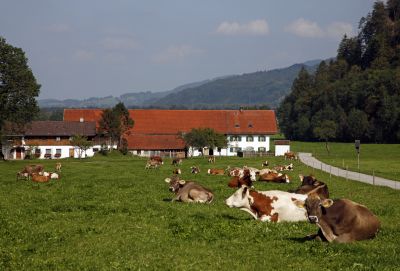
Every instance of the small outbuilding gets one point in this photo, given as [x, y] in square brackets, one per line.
[281, 147]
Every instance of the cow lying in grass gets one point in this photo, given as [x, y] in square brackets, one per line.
[237, 182]
[189, 191]
[40, 178]
[273, 206]
[340, 220]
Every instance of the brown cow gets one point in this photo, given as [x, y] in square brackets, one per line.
[39, 178]
[216, 171]
[341, 220]
[31, 169]
[152, 164]
[211, 159]
[58, 167]
[290, 155]
[237, 182]
[189, 191]
[274, 177]
[309, 184]
[157, 158]
[176, 161]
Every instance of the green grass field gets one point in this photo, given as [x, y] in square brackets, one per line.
[109, 213]
[380, 159]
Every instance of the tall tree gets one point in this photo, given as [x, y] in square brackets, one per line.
[18, 88]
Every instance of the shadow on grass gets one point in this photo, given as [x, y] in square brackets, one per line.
[168, 200]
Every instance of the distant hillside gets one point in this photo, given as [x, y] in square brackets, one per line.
[258, 88]
[264, 87]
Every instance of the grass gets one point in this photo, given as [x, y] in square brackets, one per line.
[379, 159]
[109, 213]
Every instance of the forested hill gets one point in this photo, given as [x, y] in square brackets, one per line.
[355, 96]
[258, 88]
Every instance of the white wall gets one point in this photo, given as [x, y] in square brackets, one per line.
[243, 143]
[281, 149]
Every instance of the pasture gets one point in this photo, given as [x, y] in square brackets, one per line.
[109, 213]
[383, 159]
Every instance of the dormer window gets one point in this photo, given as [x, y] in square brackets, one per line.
[250, 125]
[58, 138]
[237, 125]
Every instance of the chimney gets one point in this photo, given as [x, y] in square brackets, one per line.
[81, 120]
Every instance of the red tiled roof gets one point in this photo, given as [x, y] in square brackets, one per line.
[176, 121]
[155, 142]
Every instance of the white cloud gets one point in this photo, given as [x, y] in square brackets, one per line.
[59, 28]
[308, 29]
[83, 55]
[336, 30]
[304, 28]
[257, 27]
[176, 53]
[119, 43]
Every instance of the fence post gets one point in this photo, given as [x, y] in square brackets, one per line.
[346, 172]
[321, 166]
[373, 177]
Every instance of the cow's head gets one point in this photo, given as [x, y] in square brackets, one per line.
[174, 183]
[315, 206]
[307, 180]
[240, 199]
[249, 174]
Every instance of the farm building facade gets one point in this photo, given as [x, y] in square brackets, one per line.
[159, 132]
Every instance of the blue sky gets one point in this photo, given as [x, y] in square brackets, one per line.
[86, 48]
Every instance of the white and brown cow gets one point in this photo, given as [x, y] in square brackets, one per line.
[176, 161]
[216, 171]
[341, 220]
[273, 205]
[194, 170]
[274, 177]
[189, 191]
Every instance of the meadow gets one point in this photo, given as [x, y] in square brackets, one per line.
[109, 213]
[379, 159]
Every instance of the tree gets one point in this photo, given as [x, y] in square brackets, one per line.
[325, 131]
[81, 143]
[357, 123]
[18, 88]
[205, 137]
[114, 123]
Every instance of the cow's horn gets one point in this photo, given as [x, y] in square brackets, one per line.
[314, 190]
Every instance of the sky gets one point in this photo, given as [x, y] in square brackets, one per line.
[94, 48]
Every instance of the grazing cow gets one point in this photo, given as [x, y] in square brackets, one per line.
[194, 170]
[189, 191]
[273, 205]
[309, 184]
[58, 167]
[290, 155]
[39, 178]
[157, 158]
[177, 171]
[340, 220]
[264, 164]
[211, 159]
[239, 181]
[152, 164]
[176, 161]
[274, 177]
[31, 169]
[216, 171]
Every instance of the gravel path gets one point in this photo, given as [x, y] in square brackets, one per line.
[309, 160]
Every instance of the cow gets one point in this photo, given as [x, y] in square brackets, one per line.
[177, 171]
[52, 175]
[289, 167]
[22, 175]
[309, 184]
[194, 170]
[235, 171]
[279, 168]
[268, 206]
[239, 181]
[30, 169]
[340, 220]
[264, 164]
[216, 171]
[157, 158]
[40, 178]
[58, 167]
[211, 159]
[266, 171]
[176, 161]
[152, 164]
[290, 155]
[188, 191]
[274, 177]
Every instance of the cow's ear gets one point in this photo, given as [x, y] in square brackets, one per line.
[167, 180]
[182, 182]
[298, 203]
[301, 178]
[327, 203]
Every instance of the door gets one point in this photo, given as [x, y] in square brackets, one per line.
[71, 152]
[18, 153]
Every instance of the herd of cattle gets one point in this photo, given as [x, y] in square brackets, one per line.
[339, 220]
[37, 174]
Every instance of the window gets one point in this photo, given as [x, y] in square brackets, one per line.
[250, 125]
[48, 151]
[261, 149]
[58, 153]
[235, 138]
[261, 138]
[238, 149]
[58, 138]
[231, 149]
[249, 139]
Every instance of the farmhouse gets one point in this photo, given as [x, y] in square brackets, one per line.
[48, 139]
[159, 132]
